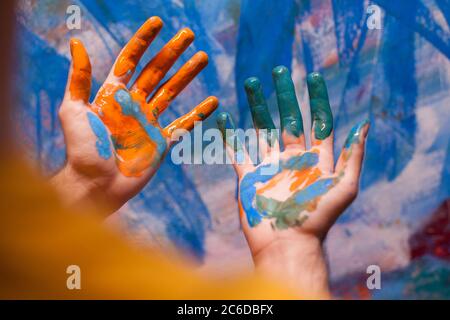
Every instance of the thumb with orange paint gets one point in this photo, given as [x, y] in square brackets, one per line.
[80, 75]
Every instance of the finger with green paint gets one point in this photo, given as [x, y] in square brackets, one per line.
[262, 120]
[322, 119]
[235, 148]
[290, 115]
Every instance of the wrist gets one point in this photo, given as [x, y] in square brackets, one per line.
[76, 191]
[298, 263]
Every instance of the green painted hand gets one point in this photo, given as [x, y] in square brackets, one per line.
[294, 192]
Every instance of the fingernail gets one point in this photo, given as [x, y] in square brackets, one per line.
[73, 44]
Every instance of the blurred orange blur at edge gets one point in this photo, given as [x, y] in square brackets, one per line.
[39, 239]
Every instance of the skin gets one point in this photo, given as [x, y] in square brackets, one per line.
[286, 214]
[115, 144]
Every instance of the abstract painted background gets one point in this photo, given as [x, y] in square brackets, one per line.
[398, 76]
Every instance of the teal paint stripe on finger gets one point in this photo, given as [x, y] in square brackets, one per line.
[321, 114]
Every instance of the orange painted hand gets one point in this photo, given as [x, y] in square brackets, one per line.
[115, 144]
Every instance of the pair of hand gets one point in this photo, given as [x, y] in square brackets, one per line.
[287, 202]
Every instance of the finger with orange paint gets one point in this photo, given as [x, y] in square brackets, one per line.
[158, 67]
[187, 121]
[130, 55]
[80, 76]
[172, 88]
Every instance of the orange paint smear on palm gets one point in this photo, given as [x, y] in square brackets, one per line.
[302, 179]
[133, 147]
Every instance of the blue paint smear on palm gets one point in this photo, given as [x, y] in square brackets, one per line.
[314, 191]
[261, 175]
[102, 144]
[248, 193]
[132, 108]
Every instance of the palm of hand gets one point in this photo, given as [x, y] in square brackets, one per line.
[279, 199]
[114, 138]
[295, 192]
[116, 142]
[138, 141]
[285, 195]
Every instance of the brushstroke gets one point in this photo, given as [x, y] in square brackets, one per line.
[131, 108]
[247, 193]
